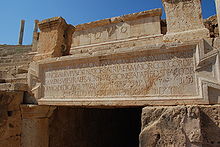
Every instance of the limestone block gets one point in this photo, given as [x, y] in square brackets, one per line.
[160, 74]
[12, 141]
[211, 24]
[10, 119]
[54, 38]
[210, 124]
[14, 123]
[187, 126]
[3, 121]
[35, 125]
[13, 87]
[171, 126]
[34, 133]
[95, 33]
[184, 17]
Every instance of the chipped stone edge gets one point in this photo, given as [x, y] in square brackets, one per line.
[129, 17]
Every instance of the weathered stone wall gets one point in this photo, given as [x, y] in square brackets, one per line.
[11, 55]
[183, 126]
[14, 62]
[141, 34]
[11, 97]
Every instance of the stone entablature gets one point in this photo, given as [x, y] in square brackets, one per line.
[165, 74]
[126, 61]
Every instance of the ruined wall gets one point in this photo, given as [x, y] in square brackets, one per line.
[11, 55]
[183, 126]
[14, 62]
[133, 35]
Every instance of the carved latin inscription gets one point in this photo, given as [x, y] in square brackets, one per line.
[170, 74]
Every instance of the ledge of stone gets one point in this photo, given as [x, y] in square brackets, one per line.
[36, 111]
[129, 17]
[52, 23]
[13, 87]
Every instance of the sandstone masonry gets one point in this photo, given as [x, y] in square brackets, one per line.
[86, 85]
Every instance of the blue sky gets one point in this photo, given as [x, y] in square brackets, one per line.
[74, 11]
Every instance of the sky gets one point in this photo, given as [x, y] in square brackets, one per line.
[73, 11]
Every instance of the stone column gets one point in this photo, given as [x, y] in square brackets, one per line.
[35, 36]
[35, 125]
[54, 39]
[184, 20]
[21, 34]
[217, 4]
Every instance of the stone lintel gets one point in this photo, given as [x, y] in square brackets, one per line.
[36, 111]
[188, 57]
[129, 17]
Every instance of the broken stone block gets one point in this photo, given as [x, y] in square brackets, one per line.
[171, 126]
[54, 39]
[184, 20]
[210, 125]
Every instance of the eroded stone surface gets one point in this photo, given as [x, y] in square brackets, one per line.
[184, 20]
[131, 26]
[187, 126]
[211, 24]
[10, 118]
[183, 15]
[210, 124]
[54, 38]
[35, 125]
[171, 126]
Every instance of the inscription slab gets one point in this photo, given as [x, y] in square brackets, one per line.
[117, 29]
[144, 76]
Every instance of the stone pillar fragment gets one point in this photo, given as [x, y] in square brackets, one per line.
[35, 36]
[54, 39]
[217, 4]
[35, 125]
[21, 34]
[184, 20]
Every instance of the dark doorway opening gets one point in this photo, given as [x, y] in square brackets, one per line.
[71, 127]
